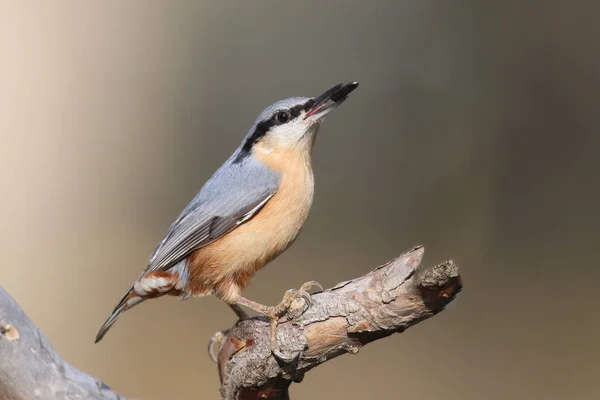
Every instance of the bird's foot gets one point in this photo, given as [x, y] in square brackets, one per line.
[274, 312]
[214, 344]
[293, 295]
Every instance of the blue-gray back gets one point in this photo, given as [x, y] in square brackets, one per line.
[232, 196]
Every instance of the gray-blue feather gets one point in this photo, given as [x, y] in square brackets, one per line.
[229, 198]
[233, 195]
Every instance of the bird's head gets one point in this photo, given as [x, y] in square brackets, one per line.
[293, 122]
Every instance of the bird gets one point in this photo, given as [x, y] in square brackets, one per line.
[249, 212]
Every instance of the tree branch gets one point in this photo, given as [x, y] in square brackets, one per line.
[340, 320]
[30, 368]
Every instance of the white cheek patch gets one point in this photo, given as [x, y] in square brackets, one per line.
[288, 135]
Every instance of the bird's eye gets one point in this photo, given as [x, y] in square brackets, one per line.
[282, 117]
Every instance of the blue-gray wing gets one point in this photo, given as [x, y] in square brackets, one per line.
[232, 196]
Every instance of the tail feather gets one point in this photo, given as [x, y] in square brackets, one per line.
[148, 286]
[129, 300]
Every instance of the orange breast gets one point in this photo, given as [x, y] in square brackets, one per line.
[227, 265]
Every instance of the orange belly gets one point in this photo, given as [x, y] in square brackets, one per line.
[226, 266]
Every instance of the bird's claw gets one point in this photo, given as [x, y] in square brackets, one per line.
[215, 343]
[307, 298]
[306, 286]
[274, 312]
[283, 359]
[283, 307]
[277, 354]
[295, 294]
[303, 292]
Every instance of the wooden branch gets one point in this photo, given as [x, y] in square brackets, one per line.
[31, 369]
[340, 320]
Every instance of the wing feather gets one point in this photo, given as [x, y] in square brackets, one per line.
[235, 194]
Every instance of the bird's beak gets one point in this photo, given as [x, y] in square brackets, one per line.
[329, 100]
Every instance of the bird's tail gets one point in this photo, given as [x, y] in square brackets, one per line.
[129, 300]
[147, 286]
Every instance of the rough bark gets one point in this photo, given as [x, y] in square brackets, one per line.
[30, 368]
[340, 320]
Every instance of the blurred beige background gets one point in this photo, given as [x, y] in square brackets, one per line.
[475, 131]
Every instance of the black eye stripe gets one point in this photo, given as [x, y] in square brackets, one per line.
[261, 130]
[297, 110]
[263, 127]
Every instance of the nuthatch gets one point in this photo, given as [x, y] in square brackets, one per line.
[247, 213]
